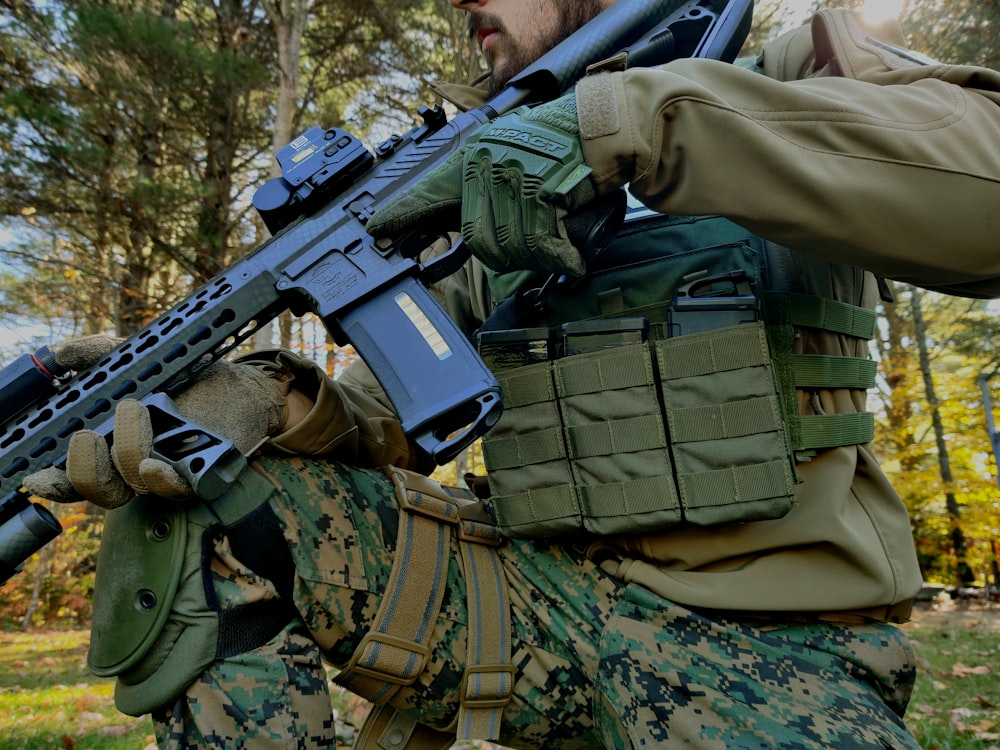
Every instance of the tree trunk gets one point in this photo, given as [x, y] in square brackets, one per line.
[965, 573]
[41, 574]
[288, 19]
[897, 404]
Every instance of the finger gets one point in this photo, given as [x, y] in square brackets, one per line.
[52, 484]
[479, 226]
[434, 201]
[133, 441]
[524, 232]
[91, 472]
[163, 480]
[559, 254]
[81, 353]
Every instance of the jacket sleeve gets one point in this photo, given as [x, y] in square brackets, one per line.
[348, 419]
[878, 159]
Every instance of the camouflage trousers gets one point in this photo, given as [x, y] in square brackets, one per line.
[599, 663]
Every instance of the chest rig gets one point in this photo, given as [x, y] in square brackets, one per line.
[660, 388]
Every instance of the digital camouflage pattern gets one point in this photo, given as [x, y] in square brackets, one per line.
[599, 663]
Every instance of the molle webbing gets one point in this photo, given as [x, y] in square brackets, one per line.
[395, 652]
[702, 428]
[816, 371]
[642, 436]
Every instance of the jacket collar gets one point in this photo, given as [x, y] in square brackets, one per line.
[463, 96]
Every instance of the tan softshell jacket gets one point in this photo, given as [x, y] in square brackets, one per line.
[857, 155]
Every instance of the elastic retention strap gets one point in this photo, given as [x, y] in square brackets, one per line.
[831, 315]
[831, 430]
[815, 371]
[256, 540]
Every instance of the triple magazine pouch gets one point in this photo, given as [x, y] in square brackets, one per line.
[641, 437]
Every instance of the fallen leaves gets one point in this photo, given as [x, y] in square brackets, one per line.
[959, 720]
[960, 670]
[956, 680]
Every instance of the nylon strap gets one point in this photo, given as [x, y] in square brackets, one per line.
[832, 430]
[830, 371]
[395, 652]
[488, 682]
[830, 315]
[819, 431]
[385, 728]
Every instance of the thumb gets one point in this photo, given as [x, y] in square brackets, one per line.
[52, 484]
[163, 480]
[436, 198]
[91, 472]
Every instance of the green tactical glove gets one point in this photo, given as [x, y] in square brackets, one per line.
[514, 182]
[240, 402]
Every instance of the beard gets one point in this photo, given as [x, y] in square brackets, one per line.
[569, 16]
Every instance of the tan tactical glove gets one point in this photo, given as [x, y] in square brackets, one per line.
[514, 183]
[239, 402]
[349, 418]
[80, 353]
[72, 356]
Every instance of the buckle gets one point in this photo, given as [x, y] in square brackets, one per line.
[495, 690]
[477, 532]
[393, 655]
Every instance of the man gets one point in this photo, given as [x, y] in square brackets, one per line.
[698, 546]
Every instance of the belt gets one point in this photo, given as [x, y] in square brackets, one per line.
[890, 613]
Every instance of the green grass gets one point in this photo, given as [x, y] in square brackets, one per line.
[956, 703]
[48, 699]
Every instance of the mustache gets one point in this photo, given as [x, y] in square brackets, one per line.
[476, 20]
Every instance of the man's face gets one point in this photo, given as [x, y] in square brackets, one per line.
[512, 34]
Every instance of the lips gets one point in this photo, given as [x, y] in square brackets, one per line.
[486, 37]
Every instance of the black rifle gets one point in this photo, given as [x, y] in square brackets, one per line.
[370, 294]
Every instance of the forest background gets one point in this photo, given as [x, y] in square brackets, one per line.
[135, 132]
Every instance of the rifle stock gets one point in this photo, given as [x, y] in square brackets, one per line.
[321, 260]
